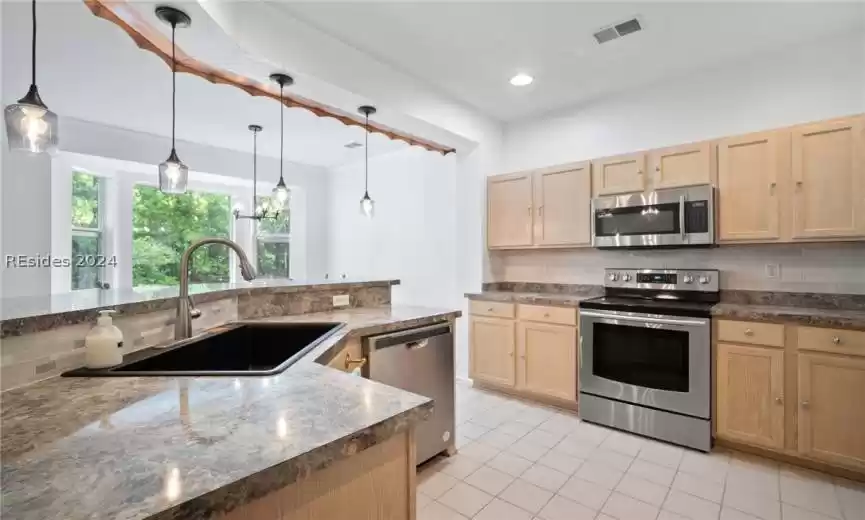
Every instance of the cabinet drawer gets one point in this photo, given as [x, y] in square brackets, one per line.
[493, 309]
[837, 341]
[559, 315]
[769, 334]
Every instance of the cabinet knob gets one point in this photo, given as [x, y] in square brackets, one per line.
[490, 309]
[511, 353]
[836, 340]
[779, 400]
[749, 332]
[657, 168]
[639, 172]
[805, 404]
[546, 315]
[530, 210]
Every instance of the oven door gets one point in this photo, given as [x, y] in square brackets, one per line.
[663, 218]
[662, 362]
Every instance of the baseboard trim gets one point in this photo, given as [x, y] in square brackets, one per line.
[793, 460]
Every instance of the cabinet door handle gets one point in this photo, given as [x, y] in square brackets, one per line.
[836, 340]
[529, 210]
[779, 400]
[349, 362]
[772, 188]
[749, 332]
[805, 404]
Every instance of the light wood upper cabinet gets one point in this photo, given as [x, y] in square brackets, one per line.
[684, 165]
[621, 174]
[751, 171]
[562, 200]
[831, 414]
[492, 350]
[750, 389]
[509, 210]
[828, 171]
[547, 362]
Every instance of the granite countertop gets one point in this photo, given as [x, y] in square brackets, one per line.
[814, 316]
[778, 307]
[193, 447]
[26, 314]
[557, 299]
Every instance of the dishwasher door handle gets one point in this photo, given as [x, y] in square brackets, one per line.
[416, 345]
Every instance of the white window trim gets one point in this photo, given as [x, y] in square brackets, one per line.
[120, 178]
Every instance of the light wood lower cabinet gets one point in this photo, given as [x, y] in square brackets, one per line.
[534, 355]
[750, 394]
[821, 420]
[831, 408]
[492, 350]
[378, 483]
[547, 359]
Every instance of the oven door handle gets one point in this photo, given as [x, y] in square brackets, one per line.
[643, 319]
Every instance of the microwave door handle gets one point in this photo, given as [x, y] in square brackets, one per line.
[682, 216]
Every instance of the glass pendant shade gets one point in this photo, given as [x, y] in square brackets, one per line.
[367, 206]
[31, 127]
[280, 196]
[173, 175]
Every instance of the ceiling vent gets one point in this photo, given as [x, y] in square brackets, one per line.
[617, 31]
[353, 144]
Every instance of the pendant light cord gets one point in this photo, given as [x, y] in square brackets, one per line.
[255, 172]
[173, 83]
[366, 158]
[33, 45]
[281, 127]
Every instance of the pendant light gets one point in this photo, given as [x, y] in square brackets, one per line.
[367, 205]
[279, 199]
[173, 174]
[259, 212]
[30, 126]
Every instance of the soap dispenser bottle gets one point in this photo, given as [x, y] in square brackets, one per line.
[103, 342]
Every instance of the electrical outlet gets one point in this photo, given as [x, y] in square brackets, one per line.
[341, 300]
[773, 270]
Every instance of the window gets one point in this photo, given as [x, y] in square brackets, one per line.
[273, 244]
[86, 231]
[163, 226]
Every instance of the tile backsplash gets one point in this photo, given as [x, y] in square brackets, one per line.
[820, 268]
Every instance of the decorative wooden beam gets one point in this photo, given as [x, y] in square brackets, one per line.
[149, 38]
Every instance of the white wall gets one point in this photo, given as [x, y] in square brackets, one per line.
[412, 236]
[812, 82]
[815, 81]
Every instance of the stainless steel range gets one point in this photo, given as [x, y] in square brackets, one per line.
[645, 354]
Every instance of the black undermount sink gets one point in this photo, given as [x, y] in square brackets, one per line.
[242, 349]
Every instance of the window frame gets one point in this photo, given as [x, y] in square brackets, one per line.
[260, 237]
[98, 232]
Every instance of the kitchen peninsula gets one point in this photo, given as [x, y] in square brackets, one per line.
[312, 440]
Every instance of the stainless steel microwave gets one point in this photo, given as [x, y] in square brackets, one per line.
[665, 218]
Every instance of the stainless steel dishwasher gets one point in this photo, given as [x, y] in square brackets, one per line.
[421, 361]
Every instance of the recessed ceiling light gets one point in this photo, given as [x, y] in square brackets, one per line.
[521, 80]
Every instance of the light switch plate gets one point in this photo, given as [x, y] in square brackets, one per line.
[341, 300]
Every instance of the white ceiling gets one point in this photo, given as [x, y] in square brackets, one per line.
[471, 49]
[89, 69]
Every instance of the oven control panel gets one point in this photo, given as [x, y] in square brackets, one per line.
[703, 280]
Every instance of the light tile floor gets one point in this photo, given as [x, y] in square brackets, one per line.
[520, 460]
